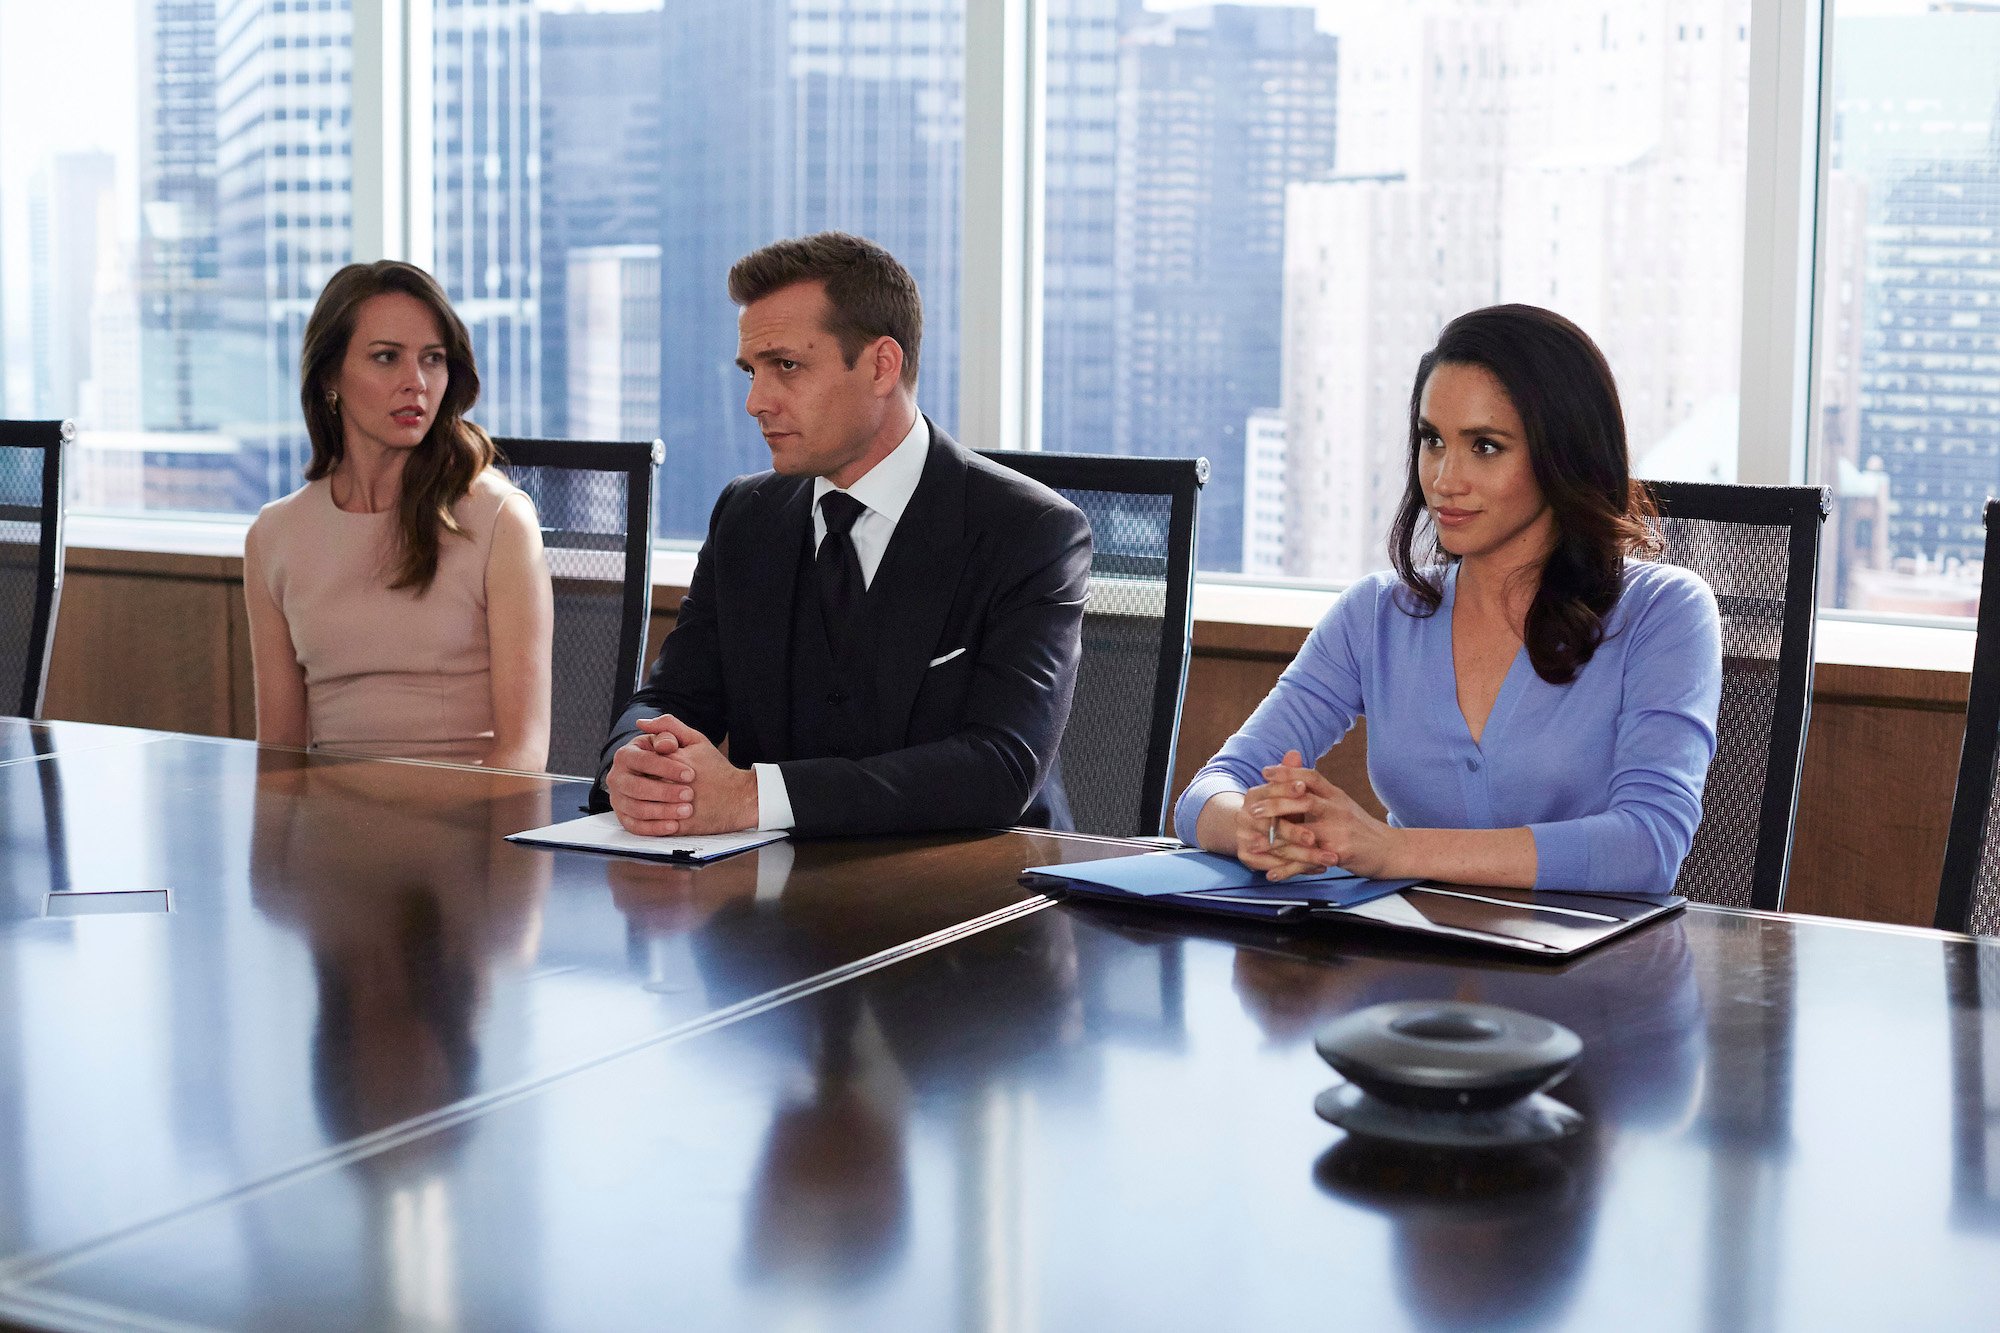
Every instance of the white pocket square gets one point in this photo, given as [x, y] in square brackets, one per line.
[940, 661]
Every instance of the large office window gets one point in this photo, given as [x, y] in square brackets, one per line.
[164, 230]
[594, 174]
[1260, 215]
[598, 170]
[1257, 216]
[1907, 328]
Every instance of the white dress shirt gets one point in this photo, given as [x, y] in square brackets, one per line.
[884, 492]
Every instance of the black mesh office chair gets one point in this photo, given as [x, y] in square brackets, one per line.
[596, 507]
[1117, 755]
[1758, 548]
[1969, 891]
[31, 551]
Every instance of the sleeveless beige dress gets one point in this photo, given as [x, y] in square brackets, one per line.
[388, 671]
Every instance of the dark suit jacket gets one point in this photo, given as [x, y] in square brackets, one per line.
[982, 559]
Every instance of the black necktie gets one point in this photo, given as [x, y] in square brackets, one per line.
[840, 583]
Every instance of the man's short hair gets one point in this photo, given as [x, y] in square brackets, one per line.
[868, 293]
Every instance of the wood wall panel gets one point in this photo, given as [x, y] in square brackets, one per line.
[242, 683]
[139, 651]
[161, 641]
[1874, 807]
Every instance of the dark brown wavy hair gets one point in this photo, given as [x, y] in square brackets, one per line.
[1562, 386]
[441, 469]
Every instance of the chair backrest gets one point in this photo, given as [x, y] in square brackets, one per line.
[1758, 549]
[31, 557]
[1969, 891]
[596, 506]
[1117, 755]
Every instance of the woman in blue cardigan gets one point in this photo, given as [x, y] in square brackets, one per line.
[1540, 696]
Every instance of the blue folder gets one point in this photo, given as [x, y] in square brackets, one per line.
[1545, 926]
[1211, 878]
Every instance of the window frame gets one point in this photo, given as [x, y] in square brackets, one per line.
[1785, 176]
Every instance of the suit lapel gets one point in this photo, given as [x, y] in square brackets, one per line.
[767, 574]
[916, 584]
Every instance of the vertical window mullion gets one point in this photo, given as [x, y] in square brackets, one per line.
[419, 130]
[392, 130]
[1781, 226]
[1001, 240]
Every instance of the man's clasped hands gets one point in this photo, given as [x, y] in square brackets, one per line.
[672, 780]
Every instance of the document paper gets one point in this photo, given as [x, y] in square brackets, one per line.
[603, 833]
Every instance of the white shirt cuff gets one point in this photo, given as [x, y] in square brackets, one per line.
[774, 803]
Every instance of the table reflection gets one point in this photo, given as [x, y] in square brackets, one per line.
[49, 785]
[829, 1201]
[409, 900]
[1134, 986]
[668, 907]
[35, 825]
[397, 885]
[1972, 982]
[1746, 1114]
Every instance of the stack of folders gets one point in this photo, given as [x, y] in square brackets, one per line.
[1540, 925]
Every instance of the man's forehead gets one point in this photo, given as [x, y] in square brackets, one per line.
[754, 339]
[802, 303]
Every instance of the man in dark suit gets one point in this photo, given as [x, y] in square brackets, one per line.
[885, 627]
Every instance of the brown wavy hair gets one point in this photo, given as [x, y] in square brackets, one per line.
[1563, 388]
[441, 469]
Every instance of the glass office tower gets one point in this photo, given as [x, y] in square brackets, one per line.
[814, 114]
[1219, 109]
[487, 199]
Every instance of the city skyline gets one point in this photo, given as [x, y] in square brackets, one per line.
[1257, 217]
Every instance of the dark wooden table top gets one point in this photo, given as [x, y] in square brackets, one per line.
[380, 1068]
[353, 951]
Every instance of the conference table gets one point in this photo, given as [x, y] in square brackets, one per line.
[298, 1041]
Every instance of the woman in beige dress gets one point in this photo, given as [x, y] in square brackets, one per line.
[399, 601]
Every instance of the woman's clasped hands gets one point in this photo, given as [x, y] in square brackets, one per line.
[1298, 823]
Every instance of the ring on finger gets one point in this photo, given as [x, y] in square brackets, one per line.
[1271, 835]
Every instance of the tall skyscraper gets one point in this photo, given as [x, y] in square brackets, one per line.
[179, 295]
[1930, 408]
[1378, 258]
[1264, 493]
[1857, 531]
[41, 298]
[284, 206]
[488, 202]
[813, 114]
[1080, 223]
[108, 397]
[1219, 109]
[1372, 269]
[613, 328]
[72, 223]
[1917, 135]
[1585, 157]
[604, 143]
[284, 215]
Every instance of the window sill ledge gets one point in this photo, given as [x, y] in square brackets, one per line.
[1858, 661]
